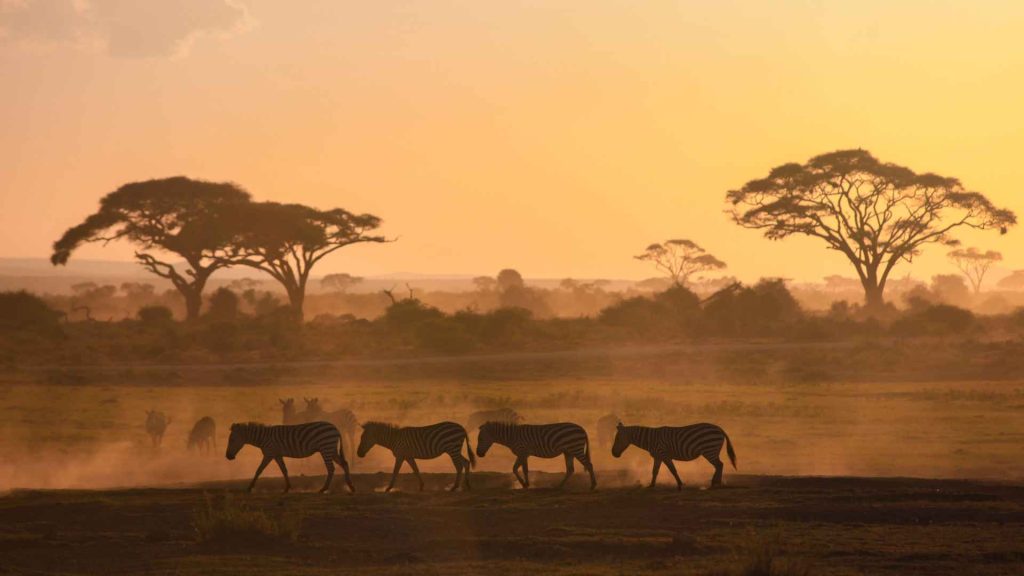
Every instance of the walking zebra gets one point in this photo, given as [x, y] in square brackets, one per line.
[541, 440]
[343, 418]
[666, 444]
[295, 441]
[203, 435]
[424, 442]
[156, 425]
[476, 419]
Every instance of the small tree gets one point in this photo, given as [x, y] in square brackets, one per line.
[339, 282]
[509, 279]
[680, 259]
[287, 240]
[876, 214]
[974, 264]
[175, 216]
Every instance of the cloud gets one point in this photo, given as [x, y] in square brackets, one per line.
[121, 28]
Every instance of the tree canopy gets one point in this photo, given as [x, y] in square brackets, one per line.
[175, 215]
[680, 259]
[287, 240]
[876, 214]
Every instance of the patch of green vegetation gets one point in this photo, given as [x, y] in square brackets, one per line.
[229, 520]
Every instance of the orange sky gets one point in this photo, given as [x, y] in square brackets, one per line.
[559, 138]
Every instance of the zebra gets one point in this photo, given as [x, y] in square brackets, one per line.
[606, 426]
[424, 442]
[542, 440]
[686, 443]
[203, 436]
[476, 419]
[343, 418]
[292, 441]
[288, 415]
[156, 424]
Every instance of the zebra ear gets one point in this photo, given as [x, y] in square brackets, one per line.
[620, 426]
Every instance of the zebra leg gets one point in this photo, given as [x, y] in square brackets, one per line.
[589, 467]
[457, 461]
[654, 472]
[284, 472]
[416, 470]
[394, 474]
[515, 471]
[526, 472]
[716, 480]
[344, 467]
[569, 469]
[329, 463]
[259, 470]
[672, 468]
[465, 468]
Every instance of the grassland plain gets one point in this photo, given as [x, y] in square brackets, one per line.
[82, 428]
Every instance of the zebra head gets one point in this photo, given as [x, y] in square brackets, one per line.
[238, 438]
[287, 410]
[623, 438]
[485, 438]
[373, 433]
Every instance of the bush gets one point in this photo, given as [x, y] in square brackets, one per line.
[223, 306]
[228, 520]
[155, 316]
[23, 311]
[935, 320]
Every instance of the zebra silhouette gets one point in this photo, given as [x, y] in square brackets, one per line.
[476, 419]
[203, 436]
[294, 441]
[423, 442]
[343, 418]
[686, 443]
[541, 440]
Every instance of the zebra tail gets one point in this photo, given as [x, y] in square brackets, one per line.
[729, 450]
[472, 457]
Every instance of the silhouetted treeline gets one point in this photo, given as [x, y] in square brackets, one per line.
[256, 326]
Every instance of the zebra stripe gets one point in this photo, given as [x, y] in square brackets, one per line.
[410, 443]
[294, 441]
[686, 443]
[476, 419]
[541, 440]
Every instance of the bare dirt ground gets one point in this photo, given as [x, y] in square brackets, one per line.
[809, 525]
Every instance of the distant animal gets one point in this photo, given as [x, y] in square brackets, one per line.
[290, 441]
[541, 440]
[203, 436]
[343, 418]
[606, 429]
[424, 442]
[289, 416]
[686, 443]
[507, 415]
[156, 425]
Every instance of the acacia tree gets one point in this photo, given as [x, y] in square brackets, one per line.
[876, 214]
[174, 216]
[340, 282]
[287, 240]
[680, 259]
[974, 264]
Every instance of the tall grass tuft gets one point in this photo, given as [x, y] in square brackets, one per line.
[231, 520]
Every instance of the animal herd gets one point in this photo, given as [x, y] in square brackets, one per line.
[316, 431]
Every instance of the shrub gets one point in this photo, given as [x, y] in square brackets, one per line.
[938, 320]
[155, 316]
[223, 305]
[229, 520]
[24, 311]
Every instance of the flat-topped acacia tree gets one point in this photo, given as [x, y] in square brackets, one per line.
[875, 213]
[287, 240]
[170, 216]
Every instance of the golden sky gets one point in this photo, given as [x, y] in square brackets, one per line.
[559, 138]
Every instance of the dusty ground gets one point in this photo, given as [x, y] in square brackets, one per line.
[811, 525]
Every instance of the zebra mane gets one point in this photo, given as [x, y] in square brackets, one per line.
[499, 423]
[378, 424]
[248, 425]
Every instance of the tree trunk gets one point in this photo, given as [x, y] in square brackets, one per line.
[193, 302]
[873, 298]
[296, 298]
